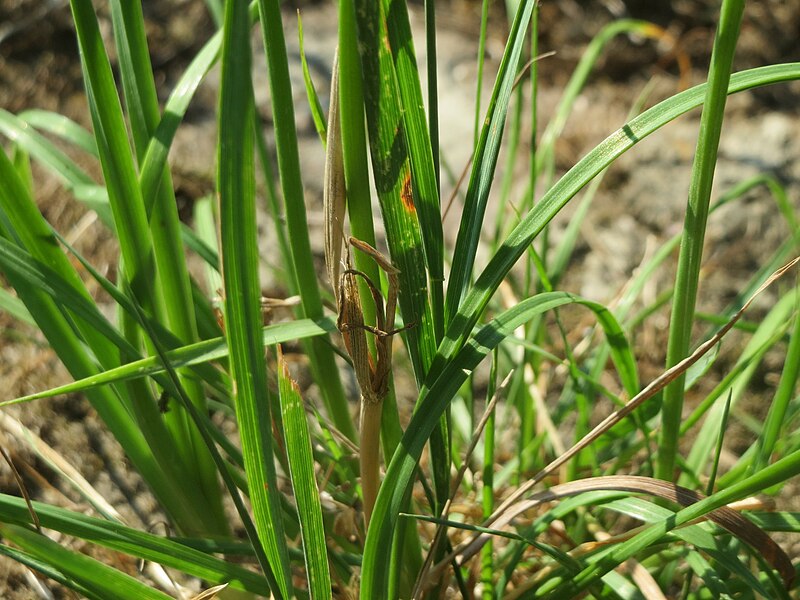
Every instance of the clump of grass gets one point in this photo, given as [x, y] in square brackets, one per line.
[154, 373]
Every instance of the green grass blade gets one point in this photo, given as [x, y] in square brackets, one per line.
[484, 163]
[39, 147]
[138, 85]
[107, 402]
[712, 478]
[22, 165]
[687, 280]
[709, 576]
[59, 329]
[84, 187]
[133, 231]
[205, 225]
[534, 102]
[283, 271]
[317, 114]
[242, 291]
[407, 194]
[34, 275]
[87, 572]
[14, 260]
[116, 158]
[776, 417]
[155, 157]
[479, 79]
[645, 273]
[47, 570]
[306, 492]
[393, 181]
[232, 479]
[777, 521]
[216, 10]
[487, 488]
[751, 356]
[61, 126]
[35, 235]
[433, 87]
[577, 82]
[125, 539]
[354, 151]
[207, 322]
[701, 536]
[564, 250]
[15, 307]
[320, 354]
[357, 180]
[186, 356]
[424, 179]
[776, 473]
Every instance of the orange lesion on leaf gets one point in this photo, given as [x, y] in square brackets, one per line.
[407, 194]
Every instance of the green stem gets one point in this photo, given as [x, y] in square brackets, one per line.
[481, 61]
[370, 454]
[487, 491]
[780, 403]
[694, 228]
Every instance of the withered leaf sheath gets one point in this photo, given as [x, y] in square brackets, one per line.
[384, 326]
[334, 194]
[351, 324]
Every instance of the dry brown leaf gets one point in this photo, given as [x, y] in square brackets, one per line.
[210, 592]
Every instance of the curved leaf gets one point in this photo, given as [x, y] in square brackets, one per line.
[571, 183]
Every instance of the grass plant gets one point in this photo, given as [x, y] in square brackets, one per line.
[605, 512]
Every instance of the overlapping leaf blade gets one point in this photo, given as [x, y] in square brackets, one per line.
[389, 150]
[484, 164]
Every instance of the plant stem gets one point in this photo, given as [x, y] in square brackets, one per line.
[687, 279]
[369, 456]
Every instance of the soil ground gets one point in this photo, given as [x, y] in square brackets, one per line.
[639, 205]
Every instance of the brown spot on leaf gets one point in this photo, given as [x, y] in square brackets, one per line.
[407, 195]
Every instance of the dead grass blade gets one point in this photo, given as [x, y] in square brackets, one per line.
[725, 517]
[22, 488]
[334, 194]
[210, 592]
